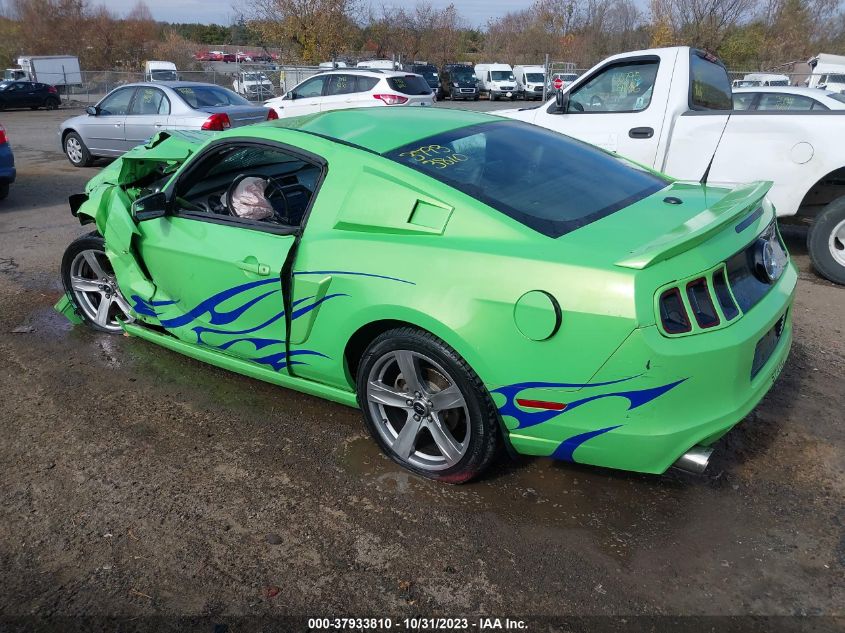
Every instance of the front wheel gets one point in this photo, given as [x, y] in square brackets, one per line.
[826, 242]
[51, 104]
[76, 152]
[426, 407]
[88, 278]
[4, 191]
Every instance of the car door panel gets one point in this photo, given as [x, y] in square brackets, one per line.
[105, 133]
[147, 116]
[219, 285]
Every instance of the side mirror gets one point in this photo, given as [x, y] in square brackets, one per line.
[92, 110]
[291, 95]
[561, 101]
[150, 206]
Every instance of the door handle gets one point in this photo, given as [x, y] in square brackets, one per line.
[251, 265]
[641, 132]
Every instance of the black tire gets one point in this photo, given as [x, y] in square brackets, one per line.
[51, 104]
[482, 422]
[493, 97]
[475, 98]
[85, 159]
[4, 191]
[819, 242]
[34, 107]
[91, 241]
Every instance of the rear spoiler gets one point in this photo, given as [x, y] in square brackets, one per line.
[699, 228]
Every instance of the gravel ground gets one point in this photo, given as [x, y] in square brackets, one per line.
[140, 483]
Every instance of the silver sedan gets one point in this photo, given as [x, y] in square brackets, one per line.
[131, 114]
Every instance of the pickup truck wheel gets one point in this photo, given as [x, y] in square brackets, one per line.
[826, 242]
[76, 152]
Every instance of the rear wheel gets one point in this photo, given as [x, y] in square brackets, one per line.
[826, 242]
[4, 191]
[76, 152]
[89, 280]
[51, 103]
[426, 407]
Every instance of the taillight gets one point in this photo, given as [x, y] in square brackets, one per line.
[3, 139]
[217, 122]
[392, 99]
[271, 114]
[673, 314]
[701, 303]
[52, 90]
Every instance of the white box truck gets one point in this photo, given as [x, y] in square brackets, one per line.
[56, 70]
[828, 72]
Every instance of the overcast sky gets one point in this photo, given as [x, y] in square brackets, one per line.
[220, 11]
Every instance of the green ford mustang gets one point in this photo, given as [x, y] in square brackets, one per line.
[470, 282]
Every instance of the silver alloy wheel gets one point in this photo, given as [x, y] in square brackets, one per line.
[837, 243]
[95, 289]
[419, 410]
[73, 149]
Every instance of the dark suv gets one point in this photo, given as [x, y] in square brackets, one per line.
[457, 81]
[428, 72]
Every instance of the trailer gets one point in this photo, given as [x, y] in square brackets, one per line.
[56, 70]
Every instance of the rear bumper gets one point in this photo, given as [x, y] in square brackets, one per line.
[667, 395]
[7, 165]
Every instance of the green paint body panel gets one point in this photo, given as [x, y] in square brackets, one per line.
[384, 244]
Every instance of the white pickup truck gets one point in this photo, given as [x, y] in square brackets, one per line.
[671, 109]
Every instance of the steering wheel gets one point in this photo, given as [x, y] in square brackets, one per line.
[596, 102]
[273, 190]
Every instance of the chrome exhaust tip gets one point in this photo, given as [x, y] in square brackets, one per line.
[695, 460]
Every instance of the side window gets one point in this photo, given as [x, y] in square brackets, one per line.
[743, 100]
[341, 85]
[780, 101]
[365, 84]
[117, 103]
[710, 86]
[818, 105]
[150, 101]
[625, 87]
[311, 88]
[252, 184]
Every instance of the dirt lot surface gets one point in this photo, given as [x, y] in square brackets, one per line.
[137, 482]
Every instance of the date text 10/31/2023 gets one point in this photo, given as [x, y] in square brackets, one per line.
[417, 624]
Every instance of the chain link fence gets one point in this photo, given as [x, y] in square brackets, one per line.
[98, 83]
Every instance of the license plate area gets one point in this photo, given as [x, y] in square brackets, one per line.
[766, 346]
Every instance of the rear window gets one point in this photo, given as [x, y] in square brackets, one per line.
[549, 182]
[710, 87]
[409, 85]
[209, 96]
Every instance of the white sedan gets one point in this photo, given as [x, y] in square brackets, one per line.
[774, 98]
[353, 88]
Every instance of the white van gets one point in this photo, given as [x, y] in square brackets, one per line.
[496, 80]
[160, 71]
[752, 80]
[529, 81]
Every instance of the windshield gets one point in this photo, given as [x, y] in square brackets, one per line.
[534, 78]
[779, 82]
[551, 183]
[254, 77]
[462, 74]
[209, 96]
[837, 79]
[837, 97]
[163, 75]
[501, 75]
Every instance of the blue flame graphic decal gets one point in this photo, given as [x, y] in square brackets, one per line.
[525, 419]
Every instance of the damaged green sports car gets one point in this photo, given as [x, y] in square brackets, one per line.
[471, 283]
